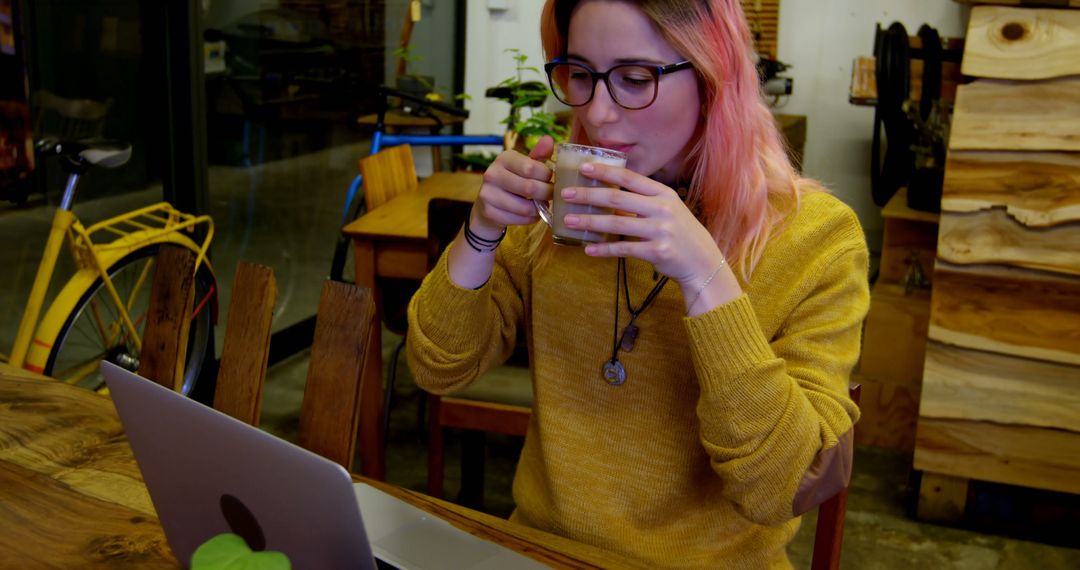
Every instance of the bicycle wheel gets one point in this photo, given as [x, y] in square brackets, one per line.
[92, 331]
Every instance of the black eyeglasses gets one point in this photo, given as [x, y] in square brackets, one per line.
[631, 85]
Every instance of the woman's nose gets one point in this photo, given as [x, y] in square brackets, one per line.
[602, 109]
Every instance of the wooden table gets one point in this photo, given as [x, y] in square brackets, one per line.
[71, 495]
[391, 241]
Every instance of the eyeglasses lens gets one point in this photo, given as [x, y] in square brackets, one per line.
[632, 86]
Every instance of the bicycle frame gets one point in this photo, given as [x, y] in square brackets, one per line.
[156, 224]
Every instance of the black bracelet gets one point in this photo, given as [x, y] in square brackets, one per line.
[480, 244]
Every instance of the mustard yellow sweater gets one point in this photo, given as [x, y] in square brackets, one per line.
[695, 461]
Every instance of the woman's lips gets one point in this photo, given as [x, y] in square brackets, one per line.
[621, 147]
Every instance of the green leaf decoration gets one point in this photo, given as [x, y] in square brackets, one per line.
[228, 551]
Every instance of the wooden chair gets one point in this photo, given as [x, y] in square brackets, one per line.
[165, 334]
[489, 405]
[829, 533]
[330, 412]
[387, 174]
[241, 373]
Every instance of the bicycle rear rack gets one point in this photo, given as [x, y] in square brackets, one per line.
[133, 229]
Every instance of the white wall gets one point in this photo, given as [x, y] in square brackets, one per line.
[819, 38]
[488, 34]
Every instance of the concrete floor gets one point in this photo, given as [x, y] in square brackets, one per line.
[285, 214]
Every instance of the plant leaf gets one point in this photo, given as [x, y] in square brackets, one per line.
[228, 551]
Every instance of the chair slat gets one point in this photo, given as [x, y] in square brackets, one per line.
[168, 318]
[242, 372]
[387, 174]
[330, 413]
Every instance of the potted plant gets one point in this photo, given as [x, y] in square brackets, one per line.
[526, 121]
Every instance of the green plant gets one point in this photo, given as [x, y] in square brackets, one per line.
[526, 98]
[228, 551]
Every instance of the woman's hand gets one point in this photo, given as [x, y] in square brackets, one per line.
[662, 230]
[510, 185]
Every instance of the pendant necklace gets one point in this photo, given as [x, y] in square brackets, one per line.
[613, 371]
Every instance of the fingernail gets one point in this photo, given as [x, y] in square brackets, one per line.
[571, 220]
[587, 167]
[569, 193]
[592, 249]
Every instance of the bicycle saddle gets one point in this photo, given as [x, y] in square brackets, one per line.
[82, 154]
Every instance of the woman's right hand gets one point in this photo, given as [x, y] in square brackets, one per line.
[510, 185]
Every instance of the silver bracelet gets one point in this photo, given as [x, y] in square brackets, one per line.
[712, 275]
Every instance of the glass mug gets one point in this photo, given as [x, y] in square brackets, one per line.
[568, 161]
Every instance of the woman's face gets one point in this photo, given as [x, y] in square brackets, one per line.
[604, 33]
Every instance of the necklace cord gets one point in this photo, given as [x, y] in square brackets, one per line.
[621, 275]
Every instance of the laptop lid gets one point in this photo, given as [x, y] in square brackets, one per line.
[209, 473]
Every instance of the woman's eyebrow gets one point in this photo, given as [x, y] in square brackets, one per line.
[618, 61]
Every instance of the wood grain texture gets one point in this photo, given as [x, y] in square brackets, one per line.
[974, 385]
[994, 237]
[763, 16]
[1008, 311]
[894, 336]
[889, 414]
[1018, 455]
[330, 412]
[50, 430]
[37, 431]
[1037, 189]
[387, 174]
[242, 373]
[168, 317]
[1022, 43]
[909, 235]
[43, 518]
[993, 114]
[942, 498]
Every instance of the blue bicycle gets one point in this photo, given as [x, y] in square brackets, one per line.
[420, 106]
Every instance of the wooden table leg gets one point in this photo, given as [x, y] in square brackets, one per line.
[372, 452]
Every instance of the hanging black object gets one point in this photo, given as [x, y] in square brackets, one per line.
[892, 169]
[929, 143]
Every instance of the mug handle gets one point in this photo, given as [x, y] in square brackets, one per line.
[544, 211]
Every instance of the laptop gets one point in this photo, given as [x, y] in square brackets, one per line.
[209, 473]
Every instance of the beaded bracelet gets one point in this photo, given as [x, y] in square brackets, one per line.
[480, 244]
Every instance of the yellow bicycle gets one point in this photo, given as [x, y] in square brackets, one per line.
[99, 313]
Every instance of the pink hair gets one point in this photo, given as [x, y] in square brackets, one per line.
[741, 178]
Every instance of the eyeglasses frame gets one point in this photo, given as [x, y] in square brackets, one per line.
[658, 72]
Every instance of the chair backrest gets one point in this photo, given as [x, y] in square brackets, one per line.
[445, 218]
[387, 174]
[330, 413]
[165, 334]
[242, 371]
[829, 532]
[68, 118]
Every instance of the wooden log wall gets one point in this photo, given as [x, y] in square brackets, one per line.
[1000, 397]
[764, 19]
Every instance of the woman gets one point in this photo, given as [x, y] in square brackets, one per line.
[696, 435]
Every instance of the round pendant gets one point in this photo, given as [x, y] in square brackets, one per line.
[614, 373]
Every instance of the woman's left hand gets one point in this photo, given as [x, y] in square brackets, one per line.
[662, 230]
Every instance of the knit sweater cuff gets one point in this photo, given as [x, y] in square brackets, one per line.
[451, 328]
[735, 327]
